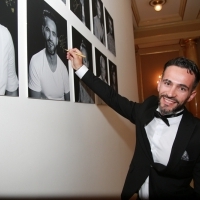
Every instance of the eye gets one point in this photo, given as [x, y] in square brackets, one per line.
[47, 29]
[54, 34]
[183, 89]
[167, 83]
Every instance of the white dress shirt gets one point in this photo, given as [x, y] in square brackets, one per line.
[161, 138]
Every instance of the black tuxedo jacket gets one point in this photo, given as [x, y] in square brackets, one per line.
[165, 182]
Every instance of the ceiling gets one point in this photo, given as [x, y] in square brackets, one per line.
[178, 20]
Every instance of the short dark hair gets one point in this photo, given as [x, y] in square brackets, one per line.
[47, 13]
[185, 63]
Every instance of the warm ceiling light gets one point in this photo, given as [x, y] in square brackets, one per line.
[157, 4]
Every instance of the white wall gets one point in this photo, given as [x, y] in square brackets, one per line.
[51, 148]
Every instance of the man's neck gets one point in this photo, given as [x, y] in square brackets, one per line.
[52, 60]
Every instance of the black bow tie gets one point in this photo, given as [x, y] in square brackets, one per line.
[164, 117]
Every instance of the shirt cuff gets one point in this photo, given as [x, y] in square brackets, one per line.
[81, 71]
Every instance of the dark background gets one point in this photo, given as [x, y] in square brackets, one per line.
[76, 42]
[35, 39]
[98, 70]
[110, 63]
[74, 6]
[107, 23]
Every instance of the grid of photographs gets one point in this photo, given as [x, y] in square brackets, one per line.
[47, 42]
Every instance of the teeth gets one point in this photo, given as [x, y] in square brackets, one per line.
[169, 100]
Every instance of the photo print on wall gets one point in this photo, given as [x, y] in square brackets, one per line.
[81, 8]
[110, 33]
[9, 83]
[82, 93]
[101, 70]
[113, 75]
[98, 20]
[48, 76]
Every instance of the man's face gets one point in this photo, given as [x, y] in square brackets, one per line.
[85, 59]
[110, 25]
[50, 34]
[114, 77]
[175, 89]
[103, 68]
[98, 9]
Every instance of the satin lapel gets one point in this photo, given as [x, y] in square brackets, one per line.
[184, 133]
[142, 137]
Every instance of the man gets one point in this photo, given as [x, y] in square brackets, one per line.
[48, 76]
[78, 8]
[102, 75]
[8, 79]
[102, 69]
[113, 78]
[110, 36]
[99, 30]
[167, 152]
[85, 93]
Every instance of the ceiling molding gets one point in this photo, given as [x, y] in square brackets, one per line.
[182, 8]
[135, 12]
[175, 18]
[179, 19]
[166, 37]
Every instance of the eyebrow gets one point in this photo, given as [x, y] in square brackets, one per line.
[180, 85]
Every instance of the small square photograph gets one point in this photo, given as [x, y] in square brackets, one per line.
[81, 8]
[83, 94]
[98, 20]
[101, 70]
[48, 76]
[113, 75]
[110, 33]
[9, 83]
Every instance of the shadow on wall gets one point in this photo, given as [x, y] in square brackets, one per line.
[120, 126]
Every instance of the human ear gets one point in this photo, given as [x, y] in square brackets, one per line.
[192, 95]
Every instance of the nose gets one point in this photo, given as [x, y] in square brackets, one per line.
[50, 35]
[171, 92]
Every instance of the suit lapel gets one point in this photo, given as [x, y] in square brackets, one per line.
[184, 133]
[146, 117]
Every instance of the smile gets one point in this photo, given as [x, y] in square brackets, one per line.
[168, 101]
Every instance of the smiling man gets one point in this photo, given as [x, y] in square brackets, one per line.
[167, 152]
[99, 30]
[175, 91]
[48, 76]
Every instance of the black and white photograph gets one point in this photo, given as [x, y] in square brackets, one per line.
[110, 33]
[9, 82]
[98, 20]
[81, 8]
[64, 1]
[113, 75]
[101, 69]
[83, 94]
[48, 76]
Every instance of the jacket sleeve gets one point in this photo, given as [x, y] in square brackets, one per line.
[196, 178]
[120, 104]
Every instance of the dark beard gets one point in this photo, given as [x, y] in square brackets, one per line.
[165, 111]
